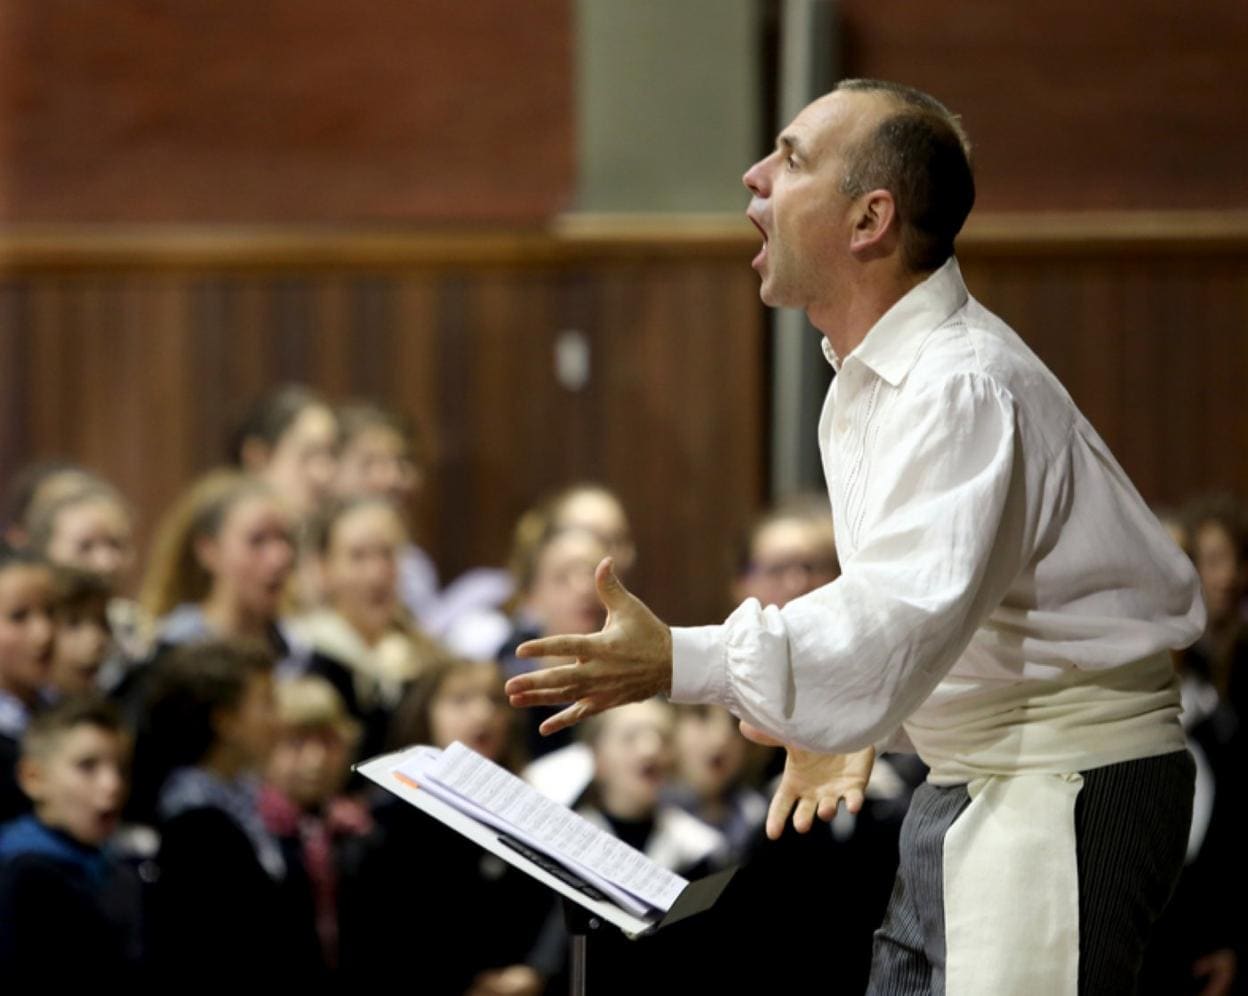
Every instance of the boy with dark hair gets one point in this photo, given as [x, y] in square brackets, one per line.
[69, 909]
[225, 885]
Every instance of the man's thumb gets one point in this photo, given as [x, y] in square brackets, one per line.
[610, 588]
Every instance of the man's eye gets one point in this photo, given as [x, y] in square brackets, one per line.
[792, 162]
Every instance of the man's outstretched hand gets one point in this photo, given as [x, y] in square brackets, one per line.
[629, 660]
[813, 784]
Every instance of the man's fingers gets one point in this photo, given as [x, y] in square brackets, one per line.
[611, 590]
[570, 716]
[753, 733]
[854, 800]
[543, 697]
[827, 808]
[778, 812]
[560, 646]
[564, 676]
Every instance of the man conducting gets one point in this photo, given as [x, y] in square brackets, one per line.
[1007, 603]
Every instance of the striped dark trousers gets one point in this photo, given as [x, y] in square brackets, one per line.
[1131, 827]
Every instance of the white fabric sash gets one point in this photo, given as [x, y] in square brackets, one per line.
[1011, 882]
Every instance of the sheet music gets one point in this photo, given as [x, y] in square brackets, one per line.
[501, 799]
[418, 769]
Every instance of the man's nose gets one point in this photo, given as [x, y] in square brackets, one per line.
[755, 178]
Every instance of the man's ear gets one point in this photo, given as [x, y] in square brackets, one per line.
[877, 227]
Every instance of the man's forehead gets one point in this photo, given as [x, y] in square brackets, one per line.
[836, 116]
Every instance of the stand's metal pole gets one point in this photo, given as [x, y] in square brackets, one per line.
[579, 923]
[577, 984]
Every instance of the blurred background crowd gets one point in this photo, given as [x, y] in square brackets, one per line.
[177, 765]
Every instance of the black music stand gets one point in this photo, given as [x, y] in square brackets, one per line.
[584, 908]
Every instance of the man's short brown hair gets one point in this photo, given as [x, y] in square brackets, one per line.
[920, 154]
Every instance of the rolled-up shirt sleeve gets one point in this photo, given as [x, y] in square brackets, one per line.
[941, 531]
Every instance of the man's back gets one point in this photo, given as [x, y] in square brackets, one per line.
[1088, 577]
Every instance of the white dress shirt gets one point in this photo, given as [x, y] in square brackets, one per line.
[987, 537]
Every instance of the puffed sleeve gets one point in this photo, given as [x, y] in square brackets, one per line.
[942, 535]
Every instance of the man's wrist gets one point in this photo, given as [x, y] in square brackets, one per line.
[699, 671]
[666, 690]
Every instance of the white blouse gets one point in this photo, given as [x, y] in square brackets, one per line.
[986, 536]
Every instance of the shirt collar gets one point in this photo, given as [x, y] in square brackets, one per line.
[892, 345]
[829, 354]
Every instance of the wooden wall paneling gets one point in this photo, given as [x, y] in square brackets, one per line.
[14, 377]
[1225, 294]
[157, 451]
[520, 429]
[647, 445]
[337, 333]
[1151, 347]
[1099, 343]
[51, 396]
[512, 431]
[1151, 388]
[413, 388]
[96, 355]
[138, 370]
[248, 342]
[225, 360]
[294, 327]
[373, 337]
[650, 439]
[743, 368]
[1184, 336]
[706, 420]
[451, 473]
[675, 330]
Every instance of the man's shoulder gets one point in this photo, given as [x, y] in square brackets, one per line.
[974, 342]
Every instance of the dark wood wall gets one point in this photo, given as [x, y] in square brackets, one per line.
[1149, 333]
[135, 367]
[132, 352]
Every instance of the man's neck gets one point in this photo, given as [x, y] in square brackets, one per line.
[846, 321]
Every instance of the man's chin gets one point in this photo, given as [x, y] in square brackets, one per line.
[772, 296]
